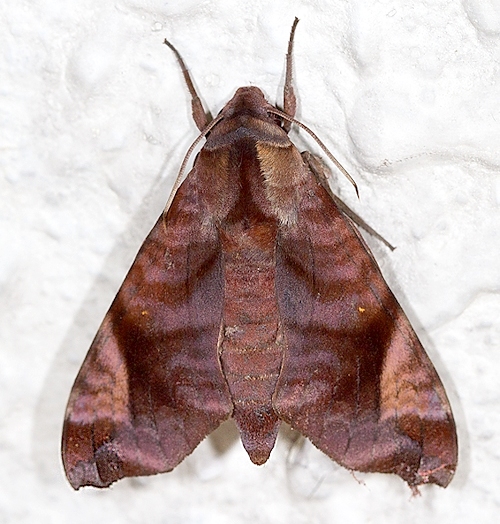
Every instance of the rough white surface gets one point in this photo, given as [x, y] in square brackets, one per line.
[95, 120]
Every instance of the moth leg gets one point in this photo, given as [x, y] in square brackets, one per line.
[320, 172]
[200, 117]
[289, 99]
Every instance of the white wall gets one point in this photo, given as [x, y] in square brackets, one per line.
[95, 121]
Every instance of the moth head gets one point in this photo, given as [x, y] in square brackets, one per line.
[247, 100]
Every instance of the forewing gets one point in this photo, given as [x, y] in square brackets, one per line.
[151, 387]
[355, 378]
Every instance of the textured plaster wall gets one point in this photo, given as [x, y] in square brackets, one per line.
[94, 123]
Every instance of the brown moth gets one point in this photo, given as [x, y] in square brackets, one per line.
[255, 297]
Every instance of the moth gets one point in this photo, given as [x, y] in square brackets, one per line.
[255, 297]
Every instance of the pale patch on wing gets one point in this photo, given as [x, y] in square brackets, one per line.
[284, 177]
